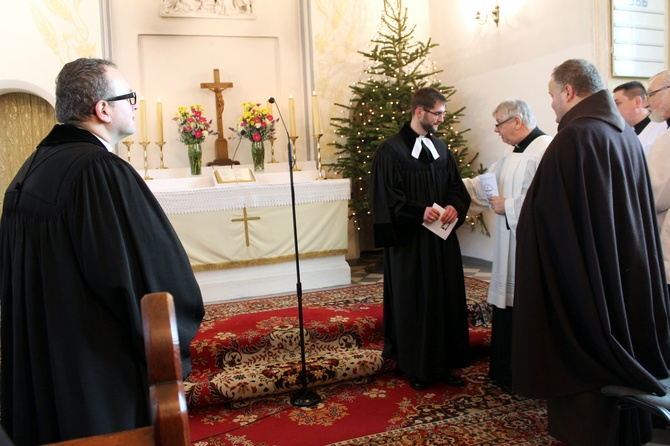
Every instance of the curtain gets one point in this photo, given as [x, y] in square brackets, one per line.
[25, 119]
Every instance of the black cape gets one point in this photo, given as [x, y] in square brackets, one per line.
[425, 314]
[590, 304]
[82, 240]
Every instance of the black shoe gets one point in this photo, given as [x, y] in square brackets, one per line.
[416, 384]
[454, 380]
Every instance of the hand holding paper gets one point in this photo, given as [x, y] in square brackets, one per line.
[442, 230]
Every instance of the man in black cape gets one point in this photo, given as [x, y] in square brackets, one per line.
[425, 313]
[82, 240]
[591, 305]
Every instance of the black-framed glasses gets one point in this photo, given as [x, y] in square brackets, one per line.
[437, 114]
[651, 93]
[132, 98]
[498, 124]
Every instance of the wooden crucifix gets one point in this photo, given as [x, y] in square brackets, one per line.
[221, 144]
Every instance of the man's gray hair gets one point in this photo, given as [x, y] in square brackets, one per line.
[79, 86]
[663, 75]
[516, 107]
[581, 74]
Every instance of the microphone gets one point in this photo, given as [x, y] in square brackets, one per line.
[271, 100]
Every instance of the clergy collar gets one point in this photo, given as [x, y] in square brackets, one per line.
[641, 125]
[420, 142]
[411, 138]
[528, 139]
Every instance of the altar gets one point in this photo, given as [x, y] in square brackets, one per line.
[239, 236]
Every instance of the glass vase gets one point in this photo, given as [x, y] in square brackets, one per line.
[195, 158]
[258, 155]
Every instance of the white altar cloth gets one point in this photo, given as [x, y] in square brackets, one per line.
[233, 258]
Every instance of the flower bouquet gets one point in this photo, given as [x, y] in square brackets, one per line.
[193, 127]
[257, 125]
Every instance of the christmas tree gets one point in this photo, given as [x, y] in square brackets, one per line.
[381, 104]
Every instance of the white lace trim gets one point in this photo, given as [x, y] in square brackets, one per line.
[251, 195]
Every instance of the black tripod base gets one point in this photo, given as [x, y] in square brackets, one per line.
[305, 398]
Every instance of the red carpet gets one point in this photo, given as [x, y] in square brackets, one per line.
[376, 409]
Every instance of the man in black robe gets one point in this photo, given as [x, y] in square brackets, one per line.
[425, 314]
[591, 305]
[82, 240]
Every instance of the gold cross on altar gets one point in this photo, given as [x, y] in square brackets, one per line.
[217, 87]
[246, 220]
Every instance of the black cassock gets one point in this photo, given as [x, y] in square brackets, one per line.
[591, 302]
[425, 314]
[82, 239]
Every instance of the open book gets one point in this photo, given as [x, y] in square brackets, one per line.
[442, 230]
[238, 175]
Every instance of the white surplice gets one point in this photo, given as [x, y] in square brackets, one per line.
[514, 172]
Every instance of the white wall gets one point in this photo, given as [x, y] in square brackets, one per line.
[36, 39]
[168, 58]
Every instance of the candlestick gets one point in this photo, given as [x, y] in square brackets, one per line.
[295, 159]
[291, 116]
[316, 114]
[160, 145]
[159, 120]
[143, 120]
[128, 142]
[272, 150]
[318, 156]
[144, 144]
[269, 107]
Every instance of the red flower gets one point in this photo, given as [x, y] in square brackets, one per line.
[269, 118]
[189, 119]
[257, 137]
[198, 134]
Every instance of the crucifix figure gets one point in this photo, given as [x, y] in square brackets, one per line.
[246, 220]
[221, 144]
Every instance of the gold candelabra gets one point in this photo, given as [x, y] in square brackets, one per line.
[318, 156]
[128, 144]
[160, 145]
[272, 149]
[295, 159]
[144, 145]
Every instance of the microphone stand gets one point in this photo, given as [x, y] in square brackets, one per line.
[304, 397]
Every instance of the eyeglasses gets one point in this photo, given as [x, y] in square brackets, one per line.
[651, 93]
[498, 124]
[437, 114]
[132, 98]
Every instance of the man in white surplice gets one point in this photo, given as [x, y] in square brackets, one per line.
[516, 125]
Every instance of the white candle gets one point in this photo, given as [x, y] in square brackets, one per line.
[269, 107]
[159, 119]
[291, 115]
[316, 114]
[143, 120]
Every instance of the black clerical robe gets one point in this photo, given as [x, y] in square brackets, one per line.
[82, 240]
[590, 303]
[425, 314]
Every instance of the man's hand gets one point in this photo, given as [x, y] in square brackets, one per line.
[430, 215]
[498, 205]
[450, 214]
